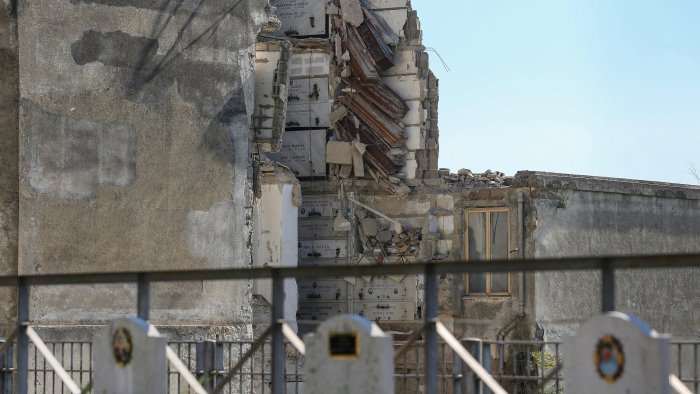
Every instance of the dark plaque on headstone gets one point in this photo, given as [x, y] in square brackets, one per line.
[344, 345]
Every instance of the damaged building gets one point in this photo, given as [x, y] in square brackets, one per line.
[215, 135]
[358, 129]
[288, 133]
[346, 102]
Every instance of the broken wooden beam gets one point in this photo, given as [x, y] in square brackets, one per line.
[360, 62]
[385, 99]
[381, 125]
[382, 55]
[379, 23]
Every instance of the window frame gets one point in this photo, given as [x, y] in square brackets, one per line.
[487, 211]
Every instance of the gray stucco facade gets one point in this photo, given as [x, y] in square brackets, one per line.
[573, 216]
[128, 130]
[613, 217]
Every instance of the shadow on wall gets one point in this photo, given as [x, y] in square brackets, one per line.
[145, 75]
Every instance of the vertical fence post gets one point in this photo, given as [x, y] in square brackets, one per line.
[143, 298]
[278, 351]
[608, 287]
[469, 383]
[206, 361]
[6, 378]
[22, 339]
[431, 339]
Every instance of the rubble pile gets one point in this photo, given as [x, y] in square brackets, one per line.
[367, 113]
[466, 179]
[359, 83]
[380, 239]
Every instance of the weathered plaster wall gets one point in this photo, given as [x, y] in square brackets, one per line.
[584, 217]
[276, 235]
[135, 150]
[9, 153]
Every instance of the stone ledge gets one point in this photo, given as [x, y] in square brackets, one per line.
[605, 185]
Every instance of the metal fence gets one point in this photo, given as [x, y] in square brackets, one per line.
[430, 367]
[519, 366]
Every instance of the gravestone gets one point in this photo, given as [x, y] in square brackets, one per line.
[129, 357]
[350, 355]
[617, 353]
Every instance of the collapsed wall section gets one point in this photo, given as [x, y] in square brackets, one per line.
[360, 130]
[358, 69]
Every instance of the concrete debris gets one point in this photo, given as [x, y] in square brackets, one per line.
[386, 244]
[384, 236]
[267, 167]
[338, 47]
[360, 147]
[338, 113]
[401, 190]
[465, 173]
[357, 161]
[345, 170]
[385, 97]
[332, 9]
[466, 179]
[352, 12]
[341, 224]
[338, 152]
[369, 227]
[374, 110]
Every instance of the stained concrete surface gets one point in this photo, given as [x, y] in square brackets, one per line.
[627, 222]
[9, 159]
[70, 157]
[134, 152]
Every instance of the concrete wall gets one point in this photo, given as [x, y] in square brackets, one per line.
[9, 154]
[275, 238]
[135, 151]
[583, 216]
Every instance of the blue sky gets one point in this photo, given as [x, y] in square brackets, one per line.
[594, 87]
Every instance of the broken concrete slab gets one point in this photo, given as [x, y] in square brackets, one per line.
[384, 236]
[338, 114]
[341, 224]
[345, 171]
[357, 162]
[338, 152]
[370, 227]
[352, 12]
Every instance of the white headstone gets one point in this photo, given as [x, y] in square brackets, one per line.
[617, 353]
[350, 355]
[129, 357]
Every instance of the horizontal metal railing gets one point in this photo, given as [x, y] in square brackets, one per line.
[317, 271]
[518, 366]
[429, 270]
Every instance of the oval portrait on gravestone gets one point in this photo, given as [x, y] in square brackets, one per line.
[121, 346]
[609, 358]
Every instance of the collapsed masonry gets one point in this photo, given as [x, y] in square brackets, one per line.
[346, 101]
[365, 77]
